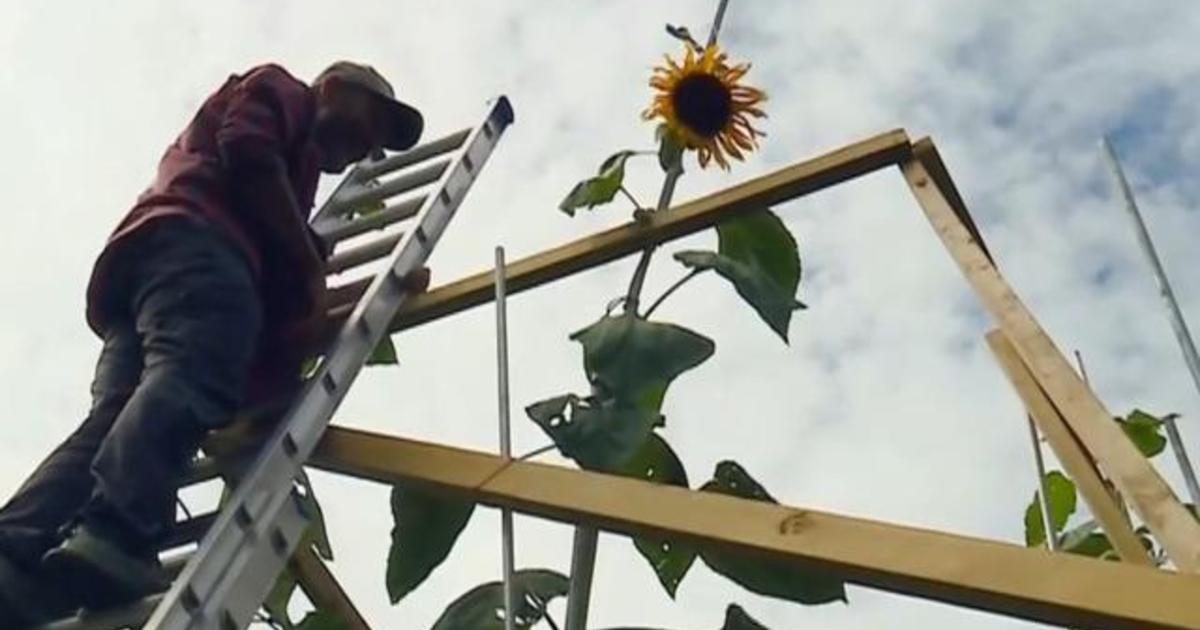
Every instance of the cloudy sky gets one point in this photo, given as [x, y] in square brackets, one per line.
[887, 404]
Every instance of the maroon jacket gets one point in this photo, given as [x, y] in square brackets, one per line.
[263, 110]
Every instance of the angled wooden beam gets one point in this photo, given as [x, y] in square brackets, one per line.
[323, 589]
[1070, 453]
[1149, 495]
[1000, 577]
[783, 185]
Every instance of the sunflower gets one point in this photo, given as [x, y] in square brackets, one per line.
[704, 106]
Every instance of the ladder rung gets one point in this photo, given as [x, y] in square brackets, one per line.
[190, 531]
[404, 183]
[202, 470]
[375, 221]
[416, 154]
[362, 254]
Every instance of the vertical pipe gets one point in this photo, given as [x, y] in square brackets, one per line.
[1186, 345]
[1043, 497]
[506, 517]
[1181, 456]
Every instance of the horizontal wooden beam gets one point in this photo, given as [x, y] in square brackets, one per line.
[1148, 493]
[988, 575]
[1069, 451]
[783, 185]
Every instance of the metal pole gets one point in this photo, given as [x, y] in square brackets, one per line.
[1043, 497]
[583, 555]
[506, 517]
[1178, 325]
[1185, 464]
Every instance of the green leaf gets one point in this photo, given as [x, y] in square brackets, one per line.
[317, 532]
[634, 360]
[321, 620]
[426, 526]
[384, 353]
[737, 619]
[756, 253]
[1062, 498]
[670, 149]
[276, 604]
[599, 189]
[1095, 545]
[657, 463]
[598, 435]
[482, 608]
[1145, 431]
[773, 579]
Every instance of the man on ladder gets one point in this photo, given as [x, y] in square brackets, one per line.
[208, 296]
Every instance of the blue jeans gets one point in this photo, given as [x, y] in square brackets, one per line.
[184, 322]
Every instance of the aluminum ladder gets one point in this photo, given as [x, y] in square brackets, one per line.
[223, 583]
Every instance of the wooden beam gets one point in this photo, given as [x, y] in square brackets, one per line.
[1150, 496]
[1070, 453]
[783, 185]
[1000, 577]
[323, 589]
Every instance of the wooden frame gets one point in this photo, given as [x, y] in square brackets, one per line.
[1150, 496]
[1000, 577]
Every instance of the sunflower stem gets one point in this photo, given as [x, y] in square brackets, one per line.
[674, 287]
[639, 274]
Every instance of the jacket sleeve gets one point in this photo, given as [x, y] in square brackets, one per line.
[268, 114]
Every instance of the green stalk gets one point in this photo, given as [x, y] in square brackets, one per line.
[639, 274]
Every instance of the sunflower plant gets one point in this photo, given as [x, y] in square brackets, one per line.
[703, 107]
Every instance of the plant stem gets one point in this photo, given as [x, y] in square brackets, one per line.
[549, 620]
[678, 283]
[639, 274]
[628, 196]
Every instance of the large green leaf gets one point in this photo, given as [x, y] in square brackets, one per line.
[670, 559]
[276, 604]
[426, 526]
[317, 533]
[738, 619]
[1145, 431]
[765, 577]
[1061, 494]
[384, 353]
[600, 189]
[321, 620]
[599, 435]
[482, 608]
[634, 360]
[756, 253]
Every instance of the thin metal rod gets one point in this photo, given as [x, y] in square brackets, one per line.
[716, 26]
[1043, 496]
[506, 516]
[1182, 335]
[583, 566]
[1181, 456]
[1186, 345]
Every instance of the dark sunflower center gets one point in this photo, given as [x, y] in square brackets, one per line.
[702, 103]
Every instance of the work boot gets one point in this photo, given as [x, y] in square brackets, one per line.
[96, 566]
[28, 599]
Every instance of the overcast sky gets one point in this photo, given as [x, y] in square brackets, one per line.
[887, 404]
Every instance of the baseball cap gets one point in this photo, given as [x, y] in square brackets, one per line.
[404, 122]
